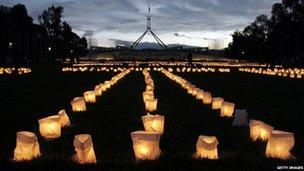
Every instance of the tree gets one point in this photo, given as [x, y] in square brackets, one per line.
[22, 41]
[275, 40]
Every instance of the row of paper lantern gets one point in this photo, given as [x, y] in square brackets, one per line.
[226, 108]
[79, 103]
[171, 63]
[27, 146]
[292, 73]
[146, 142]
[205, 63]
[279, 142]
[11, 70]
[199, 69]
[92, 69]
[148, 95]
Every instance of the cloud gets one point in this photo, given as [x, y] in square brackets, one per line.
[181, 35]
[186, 18]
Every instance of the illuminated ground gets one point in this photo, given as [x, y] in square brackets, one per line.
[275, 100]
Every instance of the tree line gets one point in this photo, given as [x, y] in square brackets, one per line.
[278, 39]
[50, 40]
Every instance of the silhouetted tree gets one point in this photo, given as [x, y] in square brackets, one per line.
[22, 41]
[275, 40]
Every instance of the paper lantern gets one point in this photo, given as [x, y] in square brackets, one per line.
[78, 104]
[194, 91]
[200, 95]
[206, 147]
[64, 120]
[89, 96]
[98, 90]
[279, 145]
[259, 130]
[227, 109]
[107, 84]
[217, 102]
[207, 97]
[149, 87]
[154, 123]
[146, 145]
[83, 145]
[151, 105]
[27, 146]
[50, 127]
[240, 118]
[148, 95]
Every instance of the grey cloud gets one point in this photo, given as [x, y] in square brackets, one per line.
[181, 35]
[168, 16]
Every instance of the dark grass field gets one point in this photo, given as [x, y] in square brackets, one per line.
[24, 99]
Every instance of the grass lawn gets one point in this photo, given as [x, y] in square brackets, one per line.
[25, 99]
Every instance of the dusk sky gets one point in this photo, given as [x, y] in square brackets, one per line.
[190, 22]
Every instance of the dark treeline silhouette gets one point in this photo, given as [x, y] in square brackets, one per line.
[25, 42]
[275, 40]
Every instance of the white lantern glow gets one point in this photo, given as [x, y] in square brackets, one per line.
[64, 120]
[146, 145]
[207, 97]
[151, 105]
[259, 130]
[206, 147]
[84, 148]
[200, 95]
[148, 95]
[78, 104]
[49, 127]
[279, 145]
[98, 90]
[217, 102]
[227, 109]
[149, 87]
[27, 146]
[89, 96]
[153, 123]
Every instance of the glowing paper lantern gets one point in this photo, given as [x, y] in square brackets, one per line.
[89, 96]
[50, 127]
[146, 145]
[151, 105]
[84, 149]
[217, 102]
[240, 118]
[98, 90]
[107, 84]
[27, 146]
[154, 123]
[200, 95]
[227, 109]
[279, 145]
[148, 95]
[149, 87]
[206, 147]
[78, 104]
[207, 97]
[259, 130]
[64, 120]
